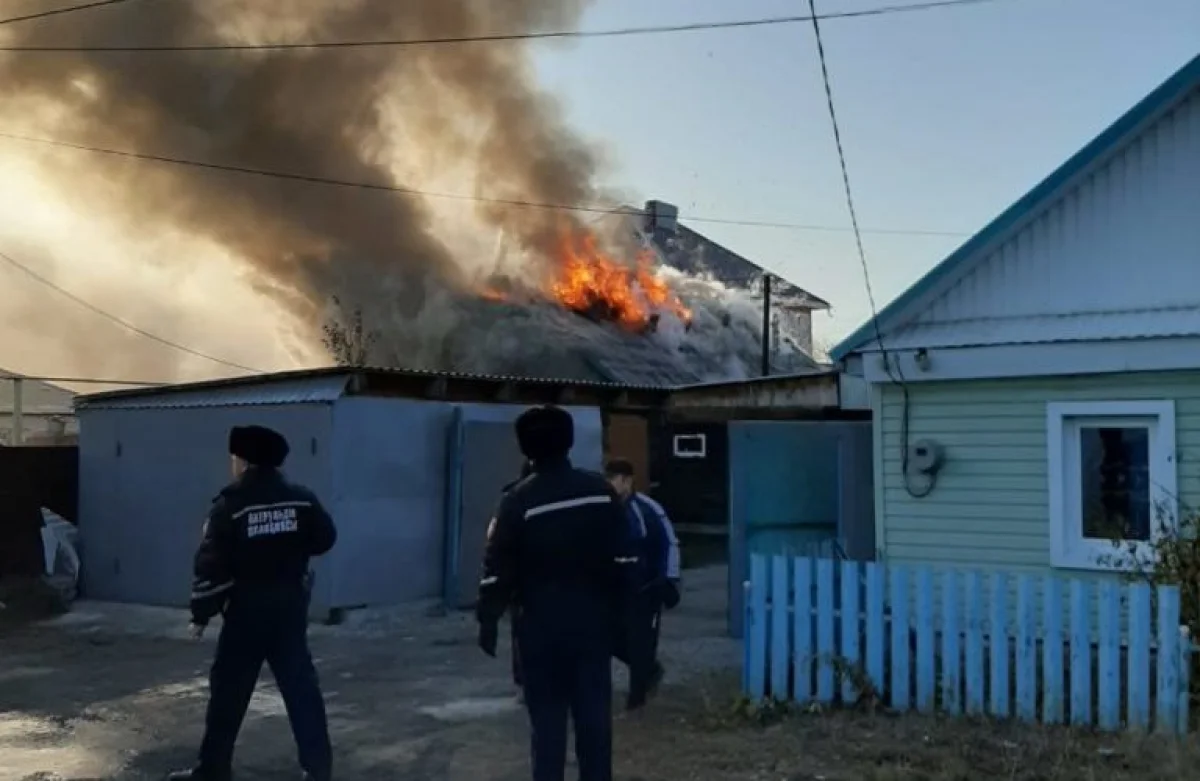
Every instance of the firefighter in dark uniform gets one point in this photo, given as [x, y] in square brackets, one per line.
[560, 549]
[526, 471]
[252, 566]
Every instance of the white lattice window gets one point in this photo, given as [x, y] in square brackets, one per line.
[1112, 480]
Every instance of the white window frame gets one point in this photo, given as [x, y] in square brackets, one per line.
[1068, 548]
[700, 438]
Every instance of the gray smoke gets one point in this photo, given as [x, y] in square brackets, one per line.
[354, 114]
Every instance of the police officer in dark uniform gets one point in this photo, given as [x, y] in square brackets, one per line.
[252, 566]
[561, 549]
[526, 471]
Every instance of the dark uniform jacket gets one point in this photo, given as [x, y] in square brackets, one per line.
[559, 547]
[260, 532]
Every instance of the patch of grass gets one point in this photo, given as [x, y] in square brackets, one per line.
[706, 730]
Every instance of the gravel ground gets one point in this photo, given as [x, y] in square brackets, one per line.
[117, 692]
[112, 692]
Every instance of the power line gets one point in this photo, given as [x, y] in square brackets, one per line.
[517, 203]
[123, 323]
[823, 228]
[897, 377]
[841, 152]
[60, 11]
[504, 37]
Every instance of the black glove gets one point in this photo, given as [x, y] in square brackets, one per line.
[489, 636]
[670, 594]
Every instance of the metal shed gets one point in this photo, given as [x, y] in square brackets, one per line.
[409, 463]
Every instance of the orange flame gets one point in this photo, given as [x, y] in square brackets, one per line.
[590, 282]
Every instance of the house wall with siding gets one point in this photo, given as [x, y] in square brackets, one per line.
[990, 509]
[1126, 225]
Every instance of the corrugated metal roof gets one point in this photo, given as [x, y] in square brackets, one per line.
[506, 378]
[1048, 329]
[311, 390]
[1176, 88]
[322, 385]
[813, 374]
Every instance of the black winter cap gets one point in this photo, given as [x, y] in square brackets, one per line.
[258, 446]
[545, 432]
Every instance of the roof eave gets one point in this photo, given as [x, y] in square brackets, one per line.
[1182, 82]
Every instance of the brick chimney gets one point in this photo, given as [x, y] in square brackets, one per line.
[661, 215]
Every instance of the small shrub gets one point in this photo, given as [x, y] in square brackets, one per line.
[1171, 558]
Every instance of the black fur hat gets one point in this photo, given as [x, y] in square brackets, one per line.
[545, 432]
[258, 445]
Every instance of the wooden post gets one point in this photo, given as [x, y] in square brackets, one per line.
[766, 326]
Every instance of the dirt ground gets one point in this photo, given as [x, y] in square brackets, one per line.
[112, 692]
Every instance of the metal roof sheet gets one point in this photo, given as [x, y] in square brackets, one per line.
[321, 385]
[1181, 84]
[309, 390]
[1047, 329]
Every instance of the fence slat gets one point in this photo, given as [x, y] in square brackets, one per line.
[802, 621]
[876, 628]
[780, 635]
[1108, 700]
[974, 656]
[850, 647]
[926, 661]
[999, 646]
[825, 636]
[1185, 674]
[847, 628]
[756, 629]
[747, 622]
[1167, 691]
[901, 699]
[1052, 651]
[1026, 656]
[951, 652]
[1138, 657]
[1081, 655]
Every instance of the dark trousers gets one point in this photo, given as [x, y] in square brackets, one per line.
[516, 656]
[270, 626]
[567, 678]
[637, 645]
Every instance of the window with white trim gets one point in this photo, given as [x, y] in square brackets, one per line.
[690, 446]
[1112, 480]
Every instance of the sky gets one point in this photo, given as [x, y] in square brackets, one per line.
[947, 117]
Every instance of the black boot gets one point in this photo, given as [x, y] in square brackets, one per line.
[640, 695]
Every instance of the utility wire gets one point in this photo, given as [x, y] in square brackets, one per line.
[123, 323]
[503, 37]
[897, 377]
[60, 11]
[323, 180]
[841, 152]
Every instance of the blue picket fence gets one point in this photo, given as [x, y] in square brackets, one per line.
[955, 642]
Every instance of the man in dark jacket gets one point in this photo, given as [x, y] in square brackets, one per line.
[658, 582]
[252, 566]
[561, 550]
[526, 471]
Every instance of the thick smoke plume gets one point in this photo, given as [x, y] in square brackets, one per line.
[461, 118]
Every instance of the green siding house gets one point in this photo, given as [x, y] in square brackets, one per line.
[1039, 390]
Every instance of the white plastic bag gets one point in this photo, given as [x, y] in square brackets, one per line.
[59, 541]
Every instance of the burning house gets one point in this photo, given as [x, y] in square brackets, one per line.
[633, 298]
